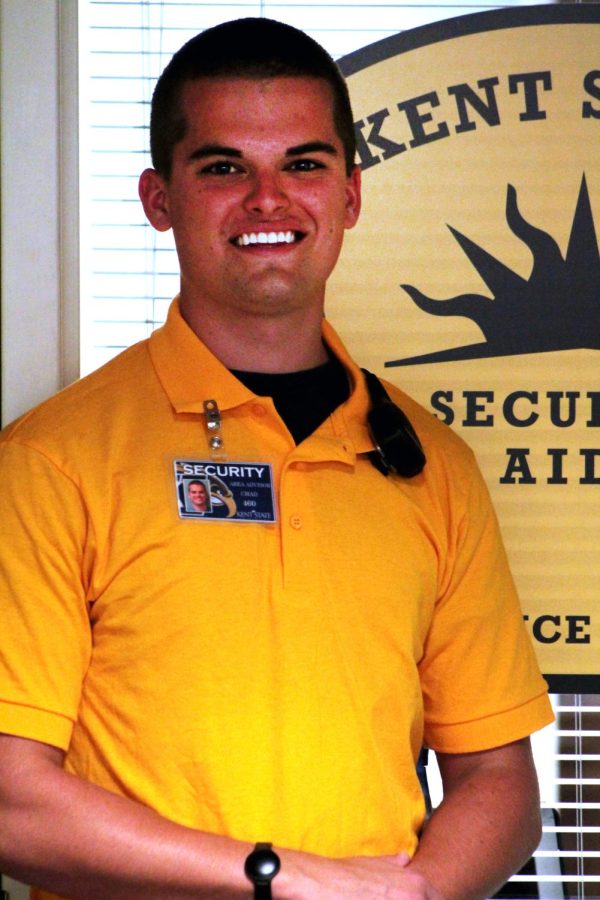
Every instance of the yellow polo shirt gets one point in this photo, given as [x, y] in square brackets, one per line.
[268, 680]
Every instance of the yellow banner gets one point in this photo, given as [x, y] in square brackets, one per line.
[473, 280]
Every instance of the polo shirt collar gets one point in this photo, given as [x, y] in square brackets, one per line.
[190, 374]
[187, 370]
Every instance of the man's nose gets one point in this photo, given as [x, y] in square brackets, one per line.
[266, 194]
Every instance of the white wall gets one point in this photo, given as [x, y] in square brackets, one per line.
[39, 240]
[39, 235]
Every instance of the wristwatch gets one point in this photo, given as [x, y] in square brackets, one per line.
[261, 867]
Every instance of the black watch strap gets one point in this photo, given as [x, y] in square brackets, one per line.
[261, 867]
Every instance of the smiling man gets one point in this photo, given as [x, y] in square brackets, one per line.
[177, 688]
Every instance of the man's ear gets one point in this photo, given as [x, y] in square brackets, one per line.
[353, 197]
[155, 200]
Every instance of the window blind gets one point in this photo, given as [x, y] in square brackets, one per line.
[130, 274]
[578, 794]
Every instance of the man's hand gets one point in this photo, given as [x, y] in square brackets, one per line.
[308, 877]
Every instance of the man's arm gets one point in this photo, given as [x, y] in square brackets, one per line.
[486, 827]
[81, 841]
[84, 842]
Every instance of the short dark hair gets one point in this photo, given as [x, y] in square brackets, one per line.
[243, 48]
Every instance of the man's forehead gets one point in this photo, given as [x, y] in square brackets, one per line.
[227, 116]
[200, 92]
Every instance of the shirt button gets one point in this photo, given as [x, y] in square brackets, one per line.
[296, 521]
[258, 410]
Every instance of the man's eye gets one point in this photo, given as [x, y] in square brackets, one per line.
[305, 165]
[220, 168]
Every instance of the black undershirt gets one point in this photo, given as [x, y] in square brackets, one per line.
[303, 399]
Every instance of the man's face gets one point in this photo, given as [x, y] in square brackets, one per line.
[198, 496]
[258, 196]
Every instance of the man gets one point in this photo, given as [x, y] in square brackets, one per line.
[198, 496]
[174, 691]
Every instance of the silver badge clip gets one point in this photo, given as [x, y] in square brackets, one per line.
[213, 426]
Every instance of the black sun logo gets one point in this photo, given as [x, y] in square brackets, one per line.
[558, 308]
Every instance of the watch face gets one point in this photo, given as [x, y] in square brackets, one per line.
[262, 865]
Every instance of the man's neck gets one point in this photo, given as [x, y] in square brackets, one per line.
[285, 343]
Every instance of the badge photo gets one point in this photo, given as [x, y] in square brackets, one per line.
[227, 491]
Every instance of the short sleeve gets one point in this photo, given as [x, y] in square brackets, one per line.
[46, 640]
[481, 683]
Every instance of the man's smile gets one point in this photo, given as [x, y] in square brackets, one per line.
[249, 238]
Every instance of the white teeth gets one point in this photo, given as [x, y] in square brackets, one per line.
[265, 237]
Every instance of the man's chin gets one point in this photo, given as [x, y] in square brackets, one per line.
[276, 296]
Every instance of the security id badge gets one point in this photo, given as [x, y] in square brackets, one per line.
[230, 491]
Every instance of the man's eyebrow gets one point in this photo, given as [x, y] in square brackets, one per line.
[214, 150]
[206, 150]
[312, 147]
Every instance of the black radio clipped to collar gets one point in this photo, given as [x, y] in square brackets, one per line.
[398, 449]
